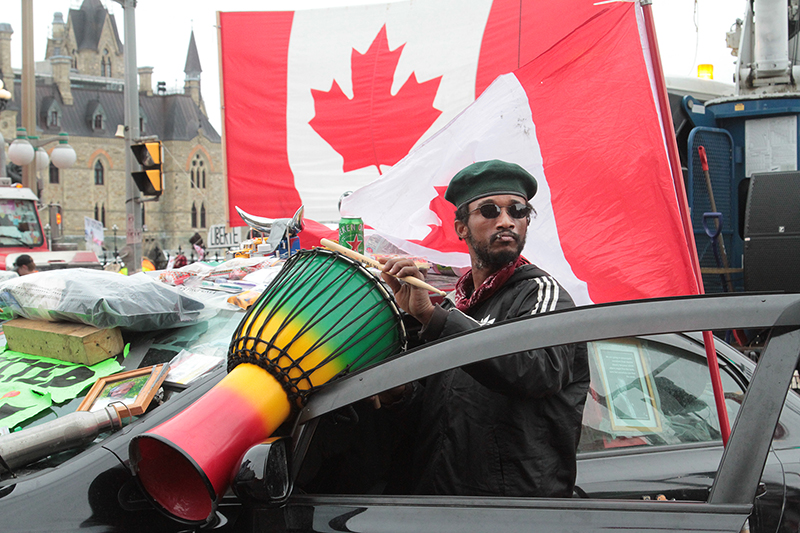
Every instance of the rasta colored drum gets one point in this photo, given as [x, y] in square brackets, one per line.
[322, 316]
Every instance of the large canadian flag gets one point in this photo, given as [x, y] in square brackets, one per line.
[582, 118]
[321, 102]
[565, 89]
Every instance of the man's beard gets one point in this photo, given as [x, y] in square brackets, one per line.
[494, 261]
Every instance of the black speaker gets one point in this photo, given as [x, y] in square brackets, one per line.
[772, 233]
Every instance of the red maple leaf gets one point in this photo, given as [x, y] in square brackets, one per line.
[375, 127]
[443, 237]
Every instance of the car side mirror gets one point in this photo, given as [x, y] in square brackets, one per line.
[264, 473]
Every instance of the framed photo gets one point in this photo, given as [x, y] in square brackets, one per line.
[626, 380]
[130, 392]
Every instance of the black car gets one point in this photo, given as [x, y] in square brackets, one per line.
[648, 436]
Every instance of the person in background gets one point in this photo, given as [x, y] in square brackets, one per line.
[24, 265]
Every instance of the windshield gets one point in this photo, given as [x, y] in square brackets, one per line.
[208, 339]
[19, 224]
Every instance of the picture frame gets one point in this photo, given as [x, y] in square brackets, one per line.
[129, 392]
[631, 398]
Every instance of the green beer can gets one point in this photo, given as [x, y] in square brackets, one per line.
[351, 233]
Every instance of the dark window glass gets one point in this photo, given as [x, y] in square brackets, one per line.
[202, 215]
[99, 174]
[194, 216]
[53, 173]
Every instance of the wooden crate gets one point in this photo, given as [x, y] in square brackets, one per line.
[67, 341]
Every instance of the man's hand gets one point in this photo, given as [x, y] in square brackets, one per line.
[388, 397]
[413, 300]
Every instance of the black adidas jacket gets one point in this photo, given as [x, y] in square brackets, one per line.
[506, 426]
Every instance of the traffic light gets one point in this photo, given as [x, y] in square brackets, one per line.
[150, 181]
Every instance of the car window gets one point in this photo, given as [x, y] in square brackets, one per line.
[647, 393]
[644, 392]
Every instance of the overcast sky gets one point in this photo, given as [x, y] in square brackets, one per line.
[690, 32]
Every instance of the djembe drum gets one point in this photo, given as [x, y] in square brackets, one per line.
[324, 315]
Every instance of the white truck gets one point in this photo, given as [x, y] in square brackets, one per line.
[21, 232]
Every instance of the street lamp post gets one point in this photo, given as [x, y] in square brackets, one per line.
[114, 228]
[5, 96]
[25, 149]
[28, 85]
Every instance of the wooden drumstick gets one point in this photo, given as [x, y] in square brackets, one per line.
[352, 254]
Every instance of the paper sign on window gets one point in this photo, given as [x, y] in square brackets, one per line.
[629, 393]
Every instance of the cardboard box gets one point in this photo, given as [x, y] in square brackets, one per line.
[67, 341]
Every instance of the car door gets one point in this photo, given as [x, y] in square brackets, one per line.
[328, 507]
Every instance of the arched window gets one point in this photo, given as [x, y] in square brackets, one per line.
[53, 173]
[96, 212]
[105, 63]
[198, 172]
[194, 216]
[102, 218]
[75, 59]
[99, 173]
[202, 215]
[98, 121]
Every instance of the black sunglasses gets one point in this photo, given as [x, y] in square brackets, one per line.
[517, 210]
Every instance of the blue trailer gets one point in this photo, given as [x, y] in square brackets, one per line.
[749, 131]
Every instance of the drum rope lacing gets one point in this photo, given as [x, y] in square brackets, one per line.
[345, 298]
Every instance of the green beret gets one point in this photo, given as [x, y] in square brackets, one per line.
[488, 178]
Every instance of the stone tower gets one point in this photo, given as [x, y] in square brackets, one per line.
[90, 39]
[192, 70]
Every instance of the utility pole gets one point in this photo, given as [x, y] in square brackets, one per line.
[28, 89]
[133, 206]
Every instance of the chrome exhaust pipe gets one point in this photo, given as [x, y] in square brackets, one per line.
[70, 431]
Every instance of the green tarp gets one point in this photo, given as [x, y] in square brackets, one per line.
[30, 384]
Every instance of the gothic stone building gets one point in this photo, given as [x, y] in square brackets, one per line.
[79, 90]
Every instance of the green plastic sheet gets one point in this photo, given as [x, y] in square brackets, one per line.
[30, 384]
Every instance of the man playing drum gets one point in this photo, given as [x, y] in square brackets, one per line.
[510, 425]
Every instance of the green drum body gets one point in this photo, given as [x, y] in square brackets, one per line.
[322, 316]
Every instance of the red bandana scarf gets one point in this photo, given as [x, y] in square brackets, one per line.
[490, 285]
